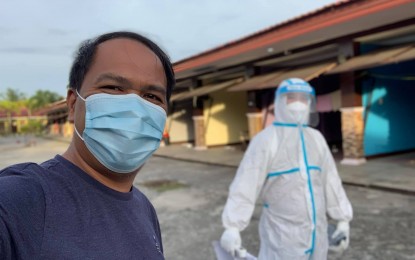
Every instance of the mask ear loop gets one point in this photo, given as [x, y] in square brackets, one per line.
[74, 126]
[76, 131]
[76, 90]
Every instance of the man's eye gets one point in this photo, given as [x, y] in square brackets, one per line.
[112, 88]
[152, 97]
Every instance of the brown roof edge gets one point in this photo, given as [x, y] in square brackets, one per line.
[324, 9]
[318, 19]
[52, 107]
[273, 79]
[203, 90]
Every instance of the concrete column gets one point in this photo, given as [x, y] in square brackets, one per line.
[350, 97]
[352, 121]
[353, 131]
[254, 123]
[199, 128]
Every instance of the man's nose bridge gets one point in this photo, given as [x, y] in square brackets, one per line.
[135, 91]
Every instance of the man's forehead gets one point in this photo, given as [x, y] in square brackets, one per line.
[124, 45]
[128, 58]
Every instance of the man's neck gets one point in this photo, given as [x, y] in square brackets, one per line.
[118, 182]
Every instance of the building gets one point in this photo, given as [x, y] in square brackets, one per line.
[358, 54]
[57, 119]
[20, 121]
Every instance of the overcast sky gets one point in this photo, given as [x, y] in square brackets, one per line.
[39, 37]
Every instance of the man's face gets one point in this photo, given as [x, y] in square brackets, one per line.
[120, 66]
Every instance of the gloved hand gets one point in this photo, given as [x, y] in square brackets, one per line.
[343, 228]
[231, 240]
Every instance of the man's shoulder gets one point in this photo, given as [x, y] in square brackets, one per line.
[22, 175]
[21, 171]
[28, 170]
[22, 206]
[142, 198]
[21, 191]
[145, 202]
[23, 180]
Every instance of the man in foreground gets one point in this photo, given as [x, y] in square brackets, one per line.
[82, 205]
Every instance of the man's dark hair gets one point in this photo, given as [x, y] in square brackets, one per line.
[85, 55]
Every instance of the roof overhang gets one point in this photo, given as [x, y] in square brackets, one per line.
[204, 90]
[334, 22]
[376, 58]
[53, 107]
[272, 80]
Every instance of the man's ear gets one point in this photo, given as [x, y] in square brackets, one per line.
[70, 102]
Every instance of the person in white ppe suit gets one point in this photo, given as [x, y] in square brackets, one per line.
[289, 165]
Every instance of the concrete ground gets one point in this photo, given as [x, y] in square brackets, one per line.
[22, 149]
[189, 211]
[190, 217]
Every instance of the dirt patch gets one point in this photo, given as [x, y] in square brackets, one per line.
[164, 185]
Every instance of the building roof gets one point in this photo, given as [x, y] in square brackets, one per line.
[54, 107]
[269, 29]
[331, 22]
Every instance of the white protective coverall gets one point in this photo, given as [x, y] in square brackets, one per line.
[290, 166]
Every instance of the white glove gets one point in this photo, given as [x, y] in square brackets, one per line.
[231, 240]
[342, 228]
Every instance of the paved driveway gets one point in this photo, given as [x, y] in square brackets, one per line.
[190, 217]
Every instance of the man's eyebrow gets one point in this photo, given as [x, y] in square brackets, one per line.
[119, 79]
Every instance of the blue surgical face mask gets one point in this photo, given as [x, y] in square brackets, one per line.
[122, 131]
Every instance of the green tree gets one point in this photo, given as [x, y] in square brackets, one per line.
[12, 95]
[12, 100]
[9, 107]
[42, 98]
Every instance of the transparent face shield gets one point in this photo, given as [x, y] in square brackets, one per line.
[296, 108]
